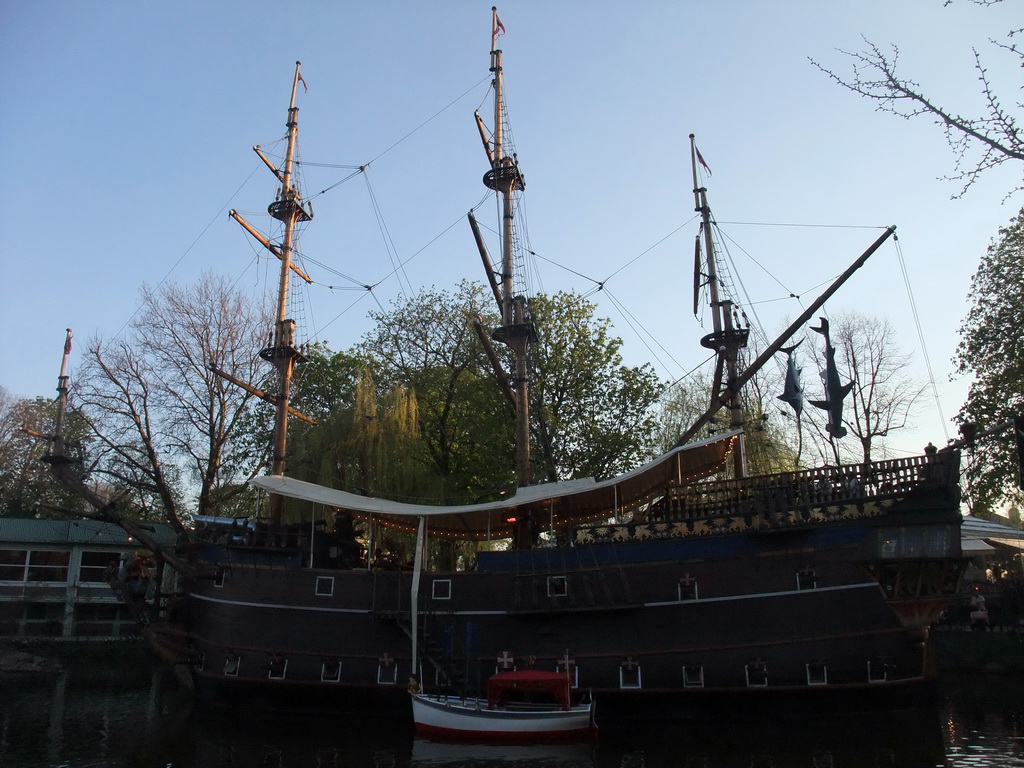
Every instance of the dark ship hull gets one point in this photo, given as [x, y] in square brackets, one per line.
[802, 587]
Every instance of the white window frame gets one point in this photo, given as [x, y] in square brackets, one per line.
[761, 669]
[679, 591]
[324, 581]
[553, 580]
[381, 669]
[873, 677]
[807, 573]
[230, 671]
[444, 594]
[336, 678]
[818, 679]
[284, 671]
[687, 680]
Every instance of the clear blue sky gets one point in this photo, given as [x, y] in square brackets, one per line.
[127, 129]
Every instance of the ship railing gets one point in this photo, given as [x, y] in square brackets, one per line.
[820, 486]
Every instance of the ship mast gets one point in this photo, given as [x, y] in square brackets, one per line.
[282, 353]
[726, 340]
[62, 403]
[517, 330]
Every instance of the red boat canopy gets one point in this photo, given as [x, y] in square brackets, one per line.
[555, 684]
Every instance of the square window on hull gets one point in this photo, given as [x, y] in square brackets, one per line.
[807, 579]
[278, 667]
[232, 663]
[878, 670]
[687, 589]
[817, 673]
[629, 678]
[330, 672]
[441, 589]
[693, 676]
[558, 586]
[757, 674]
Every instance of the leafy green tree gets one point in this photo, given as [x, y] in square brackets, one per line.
[425, 346]
[771, 441]
[991, 350]
[326, 381]
[595, 415]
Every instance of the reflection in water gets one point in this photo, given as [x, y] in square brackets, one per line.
[982, 719]
[86, 718]
[437, 754]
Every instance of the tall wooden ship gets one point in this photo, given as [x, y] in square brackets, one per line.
[661, 590]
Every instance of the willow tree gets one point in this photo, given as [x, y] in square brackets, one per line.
[991, 351]
[426, 345]
[770, 437]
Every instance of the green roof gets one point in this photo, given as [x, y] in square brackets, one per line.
[28, 531]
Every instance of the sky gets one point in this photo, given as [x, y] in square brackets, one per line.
[127, 129]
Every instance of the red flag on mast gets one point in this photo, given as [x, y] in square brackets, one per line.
[67, 344]
[499, 28]
[305, 87]
[701, 160]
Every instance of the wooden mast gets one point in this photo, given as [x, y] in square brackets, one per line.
[289, 210]
[732, 388]
[726, 340]
[62, 402]
[64, 469]
[517, 329]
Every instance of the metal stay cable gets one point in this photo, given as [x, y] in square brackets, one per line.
[920, 335]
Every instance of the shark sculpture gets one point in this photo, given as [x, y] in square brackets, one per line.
[793, 390]
[835, 392]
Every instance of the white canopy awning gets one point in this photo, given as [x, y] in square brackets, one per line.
[573, 501]
[972, 547]
[977, 536]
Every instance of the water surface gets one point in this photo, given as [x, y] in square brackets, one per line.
[88, 717]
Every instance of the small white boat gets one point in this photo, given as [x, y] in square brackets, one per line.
[546, 714]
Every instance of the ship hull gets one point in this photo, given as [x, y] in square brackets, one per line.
[803, 612]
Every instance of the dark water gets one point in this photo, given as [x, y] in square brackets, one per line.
[84, 718]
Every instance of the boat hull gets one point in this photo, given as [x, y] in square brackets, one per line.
[472, 720]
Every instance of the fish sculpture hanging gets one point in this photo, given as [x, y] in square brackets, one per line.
[793, 390]
[835, 392]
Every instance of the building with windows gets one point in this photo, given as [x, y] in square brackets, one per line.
[55, 578]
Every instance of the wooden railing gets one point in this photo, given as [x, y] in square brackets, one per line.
[813, 487]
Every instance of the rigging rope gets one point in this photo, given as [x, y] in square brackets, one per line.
[192, 245]
[920, 335]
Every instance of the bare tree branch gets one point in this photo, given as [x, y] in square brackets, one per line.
[166, 426]
[979, 143]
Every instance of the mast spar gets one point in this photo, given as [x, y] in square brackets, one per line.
[517, 330]
[726, 340]
[282, 353]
